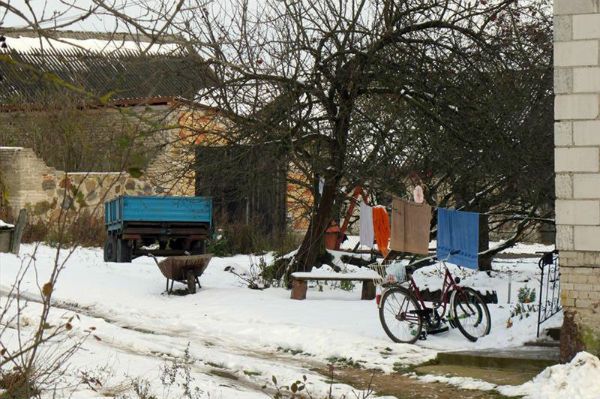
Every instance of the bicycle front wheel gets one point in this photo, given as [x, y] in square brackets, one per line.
[471, 314]
[399, 313]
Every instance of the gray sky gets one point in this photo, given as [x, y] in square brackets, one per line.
[69, 10]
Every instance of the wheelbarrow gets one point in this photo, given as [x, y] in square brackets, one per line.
[185, 269]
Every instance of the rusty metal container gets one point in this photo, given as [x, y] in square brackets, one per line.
[185, 269]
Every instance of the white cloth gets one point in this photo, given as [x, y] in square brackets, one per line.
[367, 233]
[418, 195]
[398, 270]
[321, 185]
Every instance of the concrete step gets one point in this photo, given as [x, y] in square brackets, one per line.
[544, 343]
[491, 375]
[550, 337]
[532, 358]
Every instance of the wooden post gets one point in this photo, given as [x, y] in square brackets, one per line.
[368, 290]
[299, 288]
[18, 233]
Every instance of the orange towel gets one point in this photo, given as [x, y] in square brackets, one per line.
[381, 225]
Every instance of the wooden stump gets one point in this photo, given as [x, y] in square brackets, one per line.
[299, 288]
[368, 290]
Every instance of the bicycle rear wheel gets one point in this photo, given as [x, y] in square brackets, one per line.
[471, 314]
[399, 313]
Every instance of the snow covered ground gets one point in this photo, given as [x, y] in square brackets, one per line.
[239, 338]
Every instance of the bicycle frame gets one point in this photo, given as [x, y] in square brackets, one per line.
[448, 311]
[449, 285]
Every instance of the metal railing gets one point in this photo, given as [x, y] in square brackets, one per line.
[549, 293]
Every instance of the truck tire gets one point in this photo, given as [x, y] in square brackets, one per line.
[110, 250]
[123, 251]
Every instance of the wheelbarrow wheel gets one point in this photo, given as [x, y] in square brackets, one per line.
[190, 277]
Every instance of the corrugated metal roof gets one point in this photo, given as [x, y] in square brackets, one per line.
[37, 77]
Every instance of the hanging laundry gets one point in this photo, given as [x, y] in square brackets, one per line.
[458, 232]
[411, 223]
[367, 234]
[418, 195]
[381, 225]
[321, 185]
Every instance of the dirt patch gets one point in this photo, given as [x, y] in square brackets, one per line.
[403, 386]
[491, 375]
[224, 374]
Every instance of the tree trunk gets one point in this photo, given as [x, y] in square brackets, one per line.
[312, 244]
[485, 262]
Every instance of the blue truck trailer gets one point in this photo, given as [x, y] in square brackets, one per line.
[161, 226]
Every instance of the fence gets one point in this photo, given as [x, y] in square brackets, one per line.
[549, 294]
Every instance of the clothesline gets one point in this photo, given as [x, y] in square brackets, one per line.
[458, 231]
[517, 216]
[434, 208]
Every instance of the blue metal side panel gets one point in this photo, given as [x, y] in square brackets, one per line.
[165, 209]
[112, 214]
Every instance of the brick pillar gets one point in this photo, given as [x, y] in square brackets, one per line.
[577, 166]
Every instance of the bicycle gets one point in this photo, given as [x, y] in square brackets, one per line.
[403, 312]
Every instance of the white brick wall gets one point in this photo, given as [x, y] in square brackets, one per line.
[563, 28]
[586, 133]
[576, 53]
[586, 26]
[577, 158]
[586, 80]
[586, 186]
[562, 7]
[576, 106]
[577, 127]
[563, 134]
[579, 212]
[587, 238]
[564, 186]
[564, 237]
[563, 80]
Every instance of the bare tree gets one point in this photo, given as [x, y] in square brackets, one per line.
[300, 74]
[33, 360]
[314, 80]
[476, 131]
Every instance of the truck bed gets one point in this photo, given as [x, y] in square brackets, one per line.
[184, 210]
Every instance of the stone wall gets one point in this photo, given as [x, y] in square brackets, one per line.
[88, 139]
[577, 166]
[31, 184]
[22, 173]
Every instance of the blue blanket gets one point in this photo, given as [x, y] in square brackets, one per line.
[458, 233]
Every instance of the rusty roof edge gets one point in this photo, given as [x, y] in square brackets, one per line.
[125, 102]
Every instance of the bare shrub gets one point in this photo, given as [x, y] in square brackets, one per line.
[84, 229]
[39, 359]
[176, 381]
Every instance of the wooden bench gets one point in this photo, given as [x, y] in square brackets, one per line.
[367, 277]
